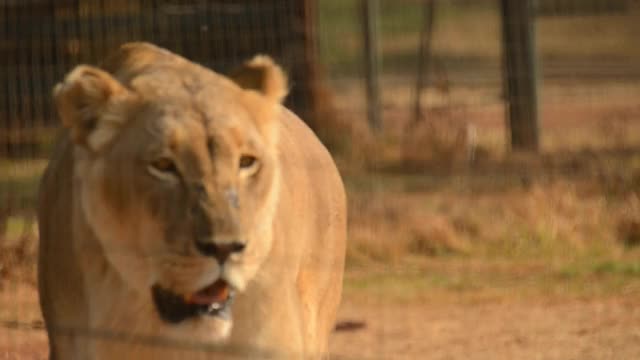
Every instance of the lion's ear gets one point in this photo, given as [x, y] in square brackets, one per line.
[85, 100]
[264, 76]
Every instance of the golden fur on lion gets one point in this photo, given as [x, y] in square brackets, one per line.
[169, 178]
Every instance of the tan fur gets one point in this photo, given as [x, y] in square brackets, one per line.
[112, 224]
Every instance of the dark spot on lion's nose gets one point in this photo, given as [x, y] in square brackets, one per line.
[220, 252]
[232, 198]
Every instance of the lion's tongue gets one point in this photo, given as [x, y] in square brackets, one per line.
[218, 292]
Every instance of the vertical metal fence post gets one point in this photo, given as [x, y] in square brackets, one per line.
[370, 31]
[520, 76]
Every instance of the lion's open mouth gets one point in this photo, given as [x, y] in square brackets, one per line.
[213, 300]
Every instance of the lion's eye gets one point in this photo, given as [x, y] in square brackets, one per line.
[247, 161]
[164, 168]
[164, 165]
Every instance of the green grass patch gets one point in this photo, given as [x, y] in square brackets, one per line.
[455, 279]
[602, 268]
[19, 181]
[15, 226]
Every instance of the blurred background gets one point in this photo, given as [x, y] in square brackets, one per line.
[490, 150]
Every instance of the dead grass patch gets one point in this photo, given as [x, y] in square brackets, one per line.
[388, 228]
[443, 139]
[555, 220]
[629, 222]
[18, 250]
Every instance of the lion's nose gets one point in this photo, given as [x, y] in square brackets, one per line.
[220, 252]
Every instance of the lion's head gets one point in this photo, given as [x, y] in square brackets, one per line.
[176, 173]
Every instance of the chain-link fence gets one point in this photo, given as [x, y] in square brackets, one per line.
[437, 71]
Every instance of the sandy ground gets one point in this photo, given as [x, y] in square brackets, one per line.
[575, 330]
[523, 329]
[22, 344]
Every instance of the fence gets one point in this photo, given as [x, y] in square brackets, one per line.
[219, 34]
[589, 71]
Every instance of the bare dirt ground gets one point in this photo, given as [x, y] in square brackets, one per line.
[21, 344]
[604, 328]
[21, 333]
[592, 329]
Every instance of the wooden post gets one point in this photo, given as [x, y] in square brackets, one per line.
[370, 32]
[312, 99]
[424, 56]
[520, 73]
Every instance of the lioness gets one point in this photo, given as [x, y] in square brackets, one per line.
[182, 208]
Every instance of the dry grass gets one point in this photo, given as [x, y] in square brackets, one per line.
[553, 220]
[18, 250]
[388, 227]
[440, 141]
[423, 195]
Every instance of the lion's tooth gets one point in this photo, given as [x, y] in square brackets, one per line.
[224, 313]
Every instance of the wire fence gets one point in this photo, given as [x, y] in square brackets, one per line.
[588, 71]
[44, 39]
